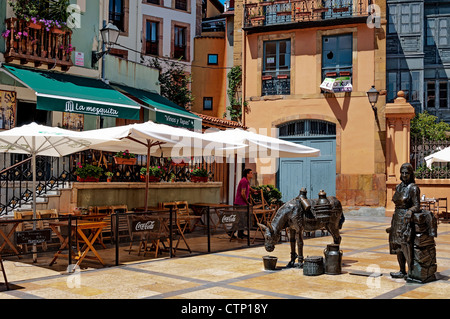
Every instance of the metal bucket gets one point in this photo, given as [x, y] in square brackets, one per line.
[313, 266]
[270, 262]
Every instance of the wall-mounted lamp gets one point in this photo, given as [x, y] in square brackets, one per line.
[372, 95]
[110, 34]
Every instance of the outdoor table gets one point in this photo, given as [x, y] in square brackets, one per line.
[77, 227]
[205, 208]
[6, 237]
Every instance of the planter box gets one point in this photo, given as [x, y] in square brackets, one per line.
[199, 179]
[35, 26]
[284, 13]
[87, 179]
[124, 161]
[151, 179]
[340, 9]
[57, 31]
[320, 10]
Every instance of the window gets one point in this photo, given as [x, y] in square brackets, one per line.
[443, 94]
[153, 1]
[179, 43]
[213, 59]
[276, 67]
[307, 128]
[207, 103]
[337, 55]
[152, 38]
[405, 18]
[405, 80]
[431, 94]
[181, 4]
[116, 13]
[437, 94]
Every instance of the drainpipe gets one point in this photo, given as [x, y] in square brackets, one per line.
[244, 46]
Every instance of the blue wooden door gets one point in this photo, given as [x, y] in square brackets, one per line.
[313, 173]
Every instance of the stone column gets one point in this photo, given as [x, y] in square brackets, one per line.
[398, 118]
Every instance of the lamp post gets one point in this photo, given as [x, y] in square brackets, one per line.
[372, 95]
[110, 34]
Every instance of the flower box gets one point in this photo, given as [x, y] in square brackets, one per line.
[58, 31]
[124, 161]
[283, 13]
[35, 26]
[320, 10]
[87, 179]
[151, 179]
[199, 179]
[340, 9]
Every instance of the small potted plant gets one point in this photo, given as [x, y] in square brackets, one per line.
[109, 176]
[125, 158]
[88, 173]
[199, 175]
[154, 173]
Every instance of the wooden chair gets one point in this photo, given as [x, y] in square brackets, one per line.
[182, 219]
[441, 209]
[26, 225]
[45, 216]
[121, 210]
[184, 213]
[106, 212]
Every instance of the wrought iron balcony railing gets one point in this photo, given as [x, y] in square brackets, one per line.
[38, 43]
[274, 12]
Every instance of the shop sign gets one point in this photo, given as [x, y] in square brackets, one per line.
[174, 120]
[339, 84]
[87, 108]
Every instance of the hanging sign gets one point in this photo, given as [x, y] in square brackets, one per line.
[339, 84]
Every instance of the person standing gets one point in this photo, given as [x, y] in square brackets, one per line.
[243, 194]
[244, 189]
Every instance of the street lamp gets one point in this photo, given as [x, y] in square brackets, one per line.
[372, 95]
[110, 34]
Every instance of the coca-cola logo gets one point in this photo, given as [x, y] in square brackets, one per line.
[144, 225]
[149, 225]
[229, 218]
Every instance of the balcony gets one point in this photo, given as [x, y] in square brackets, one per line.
[38, 43]
[285, 12]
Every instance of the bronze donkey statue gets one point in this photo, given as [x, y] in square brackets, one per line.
[301, 214]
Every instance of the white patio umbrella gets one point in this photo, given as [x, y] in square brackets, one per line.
[263, 146]
[44, 140]
[154, 139]
[440, 156]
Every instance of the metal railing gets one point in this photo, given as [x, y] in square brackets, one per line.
[38, 43]
[422, 148]
[50, 239]
[53, 173]
[273, 12]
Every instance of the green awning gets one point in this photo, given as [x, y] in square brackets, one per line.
[167, 112]
[75, 94]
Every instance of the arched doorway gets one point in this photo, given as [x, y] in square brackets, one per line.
[313, 173]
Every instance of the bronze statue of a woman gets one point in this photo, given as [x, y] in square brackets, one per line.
[407, 202]
[412, 232]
